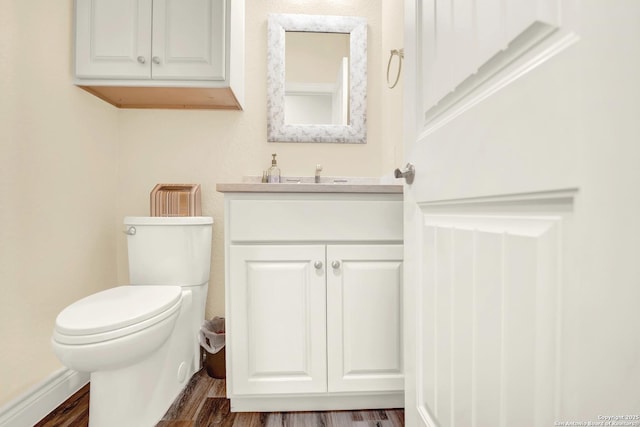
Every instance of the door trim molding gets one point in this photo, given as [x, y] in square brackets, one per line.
[498, 73]
[556, 197]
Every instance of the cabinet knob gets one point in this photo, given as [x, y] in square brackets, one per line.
[141, 59]
[156, 60]
[317, 265]
[335, 264]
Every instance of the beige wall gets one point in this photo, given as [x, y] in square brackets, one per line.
[71, 166]
[393, 38]
[314, 57]
[210, 147]
[57, 188]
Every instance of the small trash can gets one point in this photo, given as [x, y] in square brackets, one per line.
[212, 340]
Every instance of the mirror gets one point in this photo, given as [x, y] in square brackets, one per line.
[316, 87]
[316, 78]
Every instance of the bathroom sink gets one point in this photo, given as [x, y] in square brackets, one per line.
[307, 184]
[326, 180]
[323, 180]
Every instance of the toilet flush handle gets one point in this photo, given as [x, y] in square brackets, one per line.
[131, 231]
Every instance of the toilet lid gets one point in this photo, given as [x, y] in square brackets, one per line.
[116, 308]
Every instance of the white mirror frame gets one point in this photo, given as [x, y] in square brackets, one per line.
[353, 133]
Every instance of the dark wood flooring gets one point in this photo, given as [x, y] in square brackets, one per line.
[203, 404]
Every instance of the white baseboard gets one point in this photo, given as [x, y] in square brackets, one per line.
[40, 400]
[318, 402]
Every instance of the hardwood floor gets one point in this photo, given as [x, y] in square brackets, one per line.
[73, 412]
[203, 404]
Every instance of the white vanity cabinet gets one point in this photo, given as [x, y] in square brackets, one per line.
[314, 301]
[161, 53]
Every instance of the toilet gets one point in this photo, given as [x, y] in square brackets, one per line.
[139, 342]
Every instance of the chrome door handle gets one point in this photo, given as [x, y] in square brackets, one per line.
[317, 265]
[335, 264]
[131, 231]
[408, 173]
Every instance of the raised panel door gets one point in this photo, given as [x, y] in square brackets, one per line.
[277, 321]
[520, 274]
[364, 318]
[113, 39]
[189, 39]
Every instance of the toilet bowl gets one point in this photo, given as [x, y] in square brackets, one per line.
[139, 342]
[115, 327]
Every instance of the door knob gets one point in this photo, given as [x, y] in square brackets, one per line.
[156, 60]
[408, 173]
[317, 265]
[335, 264]
[141, 59]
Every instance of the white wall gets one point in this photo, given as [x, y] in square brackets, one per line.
[57, 188]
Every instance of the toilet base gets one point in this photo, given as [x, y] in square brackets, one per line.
[140, 394]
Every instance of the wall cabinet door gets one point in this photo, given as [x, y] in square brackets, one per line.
[151, 39]
[113, 39]
[278, 319]
[188, 39]
[364, 318]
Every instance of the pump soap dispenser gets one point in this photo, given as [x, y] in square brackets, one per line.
[274, 171]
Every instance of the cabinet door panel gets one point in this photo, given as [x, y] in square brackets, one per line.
[277, 319]
[364, 318]
[189, 39]
[110, 37]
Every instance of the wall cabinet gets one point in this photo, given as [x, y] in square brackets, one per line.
[161, 53]
[314, 301]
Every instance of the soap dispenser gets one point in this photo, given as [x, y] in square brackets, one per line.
[274, 171]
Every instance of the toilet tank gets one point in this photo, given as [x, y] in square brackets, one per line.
[169, 250]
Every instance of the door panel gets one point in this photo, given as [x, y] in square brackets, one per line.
[110, 37]
[489, 308]
[189, 39]
[364, 318]
[278, 331]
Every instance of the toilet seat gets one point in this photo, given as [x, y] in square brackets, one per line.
[115, 312]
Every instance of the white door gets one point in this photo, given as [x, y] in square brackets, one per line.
[113, 39]
[522, 279]
[189, 39]
[364, 318]
[278, 302]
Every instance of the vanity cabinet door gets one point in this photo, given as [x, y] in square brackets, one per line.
[364, 318]
[277, 319]
[113, 39]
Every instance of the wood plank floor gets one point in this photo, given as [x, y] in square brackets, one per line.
[203, 404]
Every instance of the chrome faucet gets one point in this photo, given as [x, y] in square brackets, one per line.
[318, 170]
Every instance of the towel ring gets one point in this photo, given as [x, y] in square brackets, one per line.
[400, 53]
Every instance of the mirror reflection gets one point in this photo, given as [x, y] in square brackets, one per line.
[316, 78]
